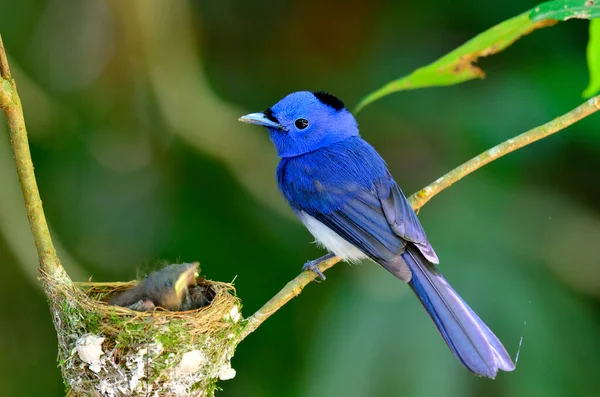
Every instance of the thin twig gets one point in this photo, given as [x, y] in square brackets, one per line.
[420, 198]
[4, 68]
[291, 290]
[10, 103]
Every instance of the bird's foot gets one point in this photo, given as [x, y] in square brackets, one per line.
[314, 265]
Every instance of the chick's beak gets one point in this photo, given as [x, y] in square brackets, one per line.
[260, 119]
[186, 279]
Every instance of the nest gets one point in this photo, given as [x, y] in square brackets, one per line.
[111, 351]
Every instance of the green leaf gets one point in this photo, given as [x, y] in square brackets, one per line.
[593, 59]
[458, 65]
[566, 9]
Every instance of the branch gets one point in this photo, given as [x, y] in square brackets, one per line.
[10, 103]
[420, 198]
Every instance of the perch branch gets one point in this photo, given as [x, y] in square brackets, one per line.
[420, 198]
[10, 103]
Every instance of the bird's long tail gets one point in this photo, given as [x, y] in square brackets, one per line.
[471, 341]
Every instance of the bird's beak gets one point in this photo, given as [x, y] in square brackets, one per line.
[187, 278]
[260, 119]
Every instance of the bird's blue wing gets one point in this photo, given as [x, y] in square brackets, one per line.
[361, 222]
[374, 225]
[402, 218]
[348, 188]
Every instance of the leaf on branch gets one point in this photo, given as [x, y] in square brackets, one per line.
[562, 10]
[459, 66]
[593, 59]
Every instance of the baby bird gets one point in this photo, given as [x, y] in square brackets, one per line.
[167, 288]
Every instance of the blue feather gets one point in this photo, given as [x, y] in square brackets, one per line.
[471, 341]
[342, 190]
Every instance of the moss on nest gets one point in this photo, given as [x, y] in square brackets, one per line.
[113, 351]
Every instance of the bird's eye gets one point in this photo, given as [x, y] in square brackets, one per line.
[301, 123]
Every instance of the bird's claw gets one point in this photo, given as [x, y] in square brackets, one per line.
[314, 267]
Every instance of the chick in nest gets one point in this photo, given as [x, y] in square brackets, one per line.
[199, 296]
[168, 288]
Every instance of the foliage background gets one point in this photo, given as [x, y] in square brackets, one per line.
[132, 107]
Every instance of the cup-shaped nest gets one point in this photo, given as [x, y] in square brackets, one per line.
[106, 350]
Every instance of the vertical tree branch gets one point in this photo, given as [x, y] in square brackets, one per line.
[10, 103]
[420, 198]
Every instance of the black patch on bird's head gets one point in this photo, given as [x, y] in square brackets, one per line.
[329, 100]
[269, 114]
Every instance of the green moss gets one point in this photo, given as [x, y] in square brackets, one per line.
[126, 335]
[93, 322]
[133, 333]
[71, 313]
[176, 335]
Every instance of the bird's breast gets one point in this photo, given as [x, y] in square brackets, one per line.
[329, 239]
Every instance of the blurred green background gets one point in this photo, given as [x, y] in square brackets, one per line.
[132, 113]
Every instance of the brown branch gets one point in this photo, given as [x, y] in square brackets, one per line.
[10, 103]
[420, 198]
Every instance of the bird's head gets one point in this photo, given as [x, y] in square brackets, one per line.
[169, 286]
[305, 121]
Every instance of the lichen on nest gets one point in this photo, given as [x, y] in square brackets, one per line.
[111, 351]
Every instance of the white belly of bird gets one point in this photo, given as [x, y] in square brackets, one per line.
[330, 240]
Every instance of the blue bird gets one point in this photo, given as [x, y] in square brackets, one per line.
[341, 189]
